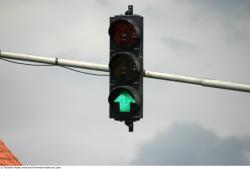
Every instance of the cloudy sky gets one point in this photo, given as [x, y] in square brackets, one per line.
[52, 116]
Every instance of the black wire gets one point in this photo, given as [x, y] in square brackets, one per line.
[28, 64]
[84, 72]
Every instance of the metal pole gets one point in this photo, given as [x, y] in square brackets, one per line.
[199, 81]
[54, 61]
[155, 75]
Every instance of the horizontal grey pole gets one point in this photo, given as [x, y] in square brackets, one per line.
[155, 75]
[199, 81]
[54, 61]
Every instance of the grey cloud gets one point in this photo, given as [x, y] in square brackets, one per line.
[231, 15]
[229, 7]
[176, 43]
[103, 2]
[191, 144]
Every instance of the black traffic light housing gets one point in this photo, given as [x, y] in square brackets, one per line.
[126, 67]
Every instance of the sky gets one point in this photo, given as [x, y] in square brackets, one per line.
[53, 116]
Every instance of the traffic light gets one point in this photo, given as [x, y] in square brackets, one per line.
[126, 68]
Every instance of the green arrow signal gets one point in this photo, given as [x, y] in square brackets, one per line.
[124, 100]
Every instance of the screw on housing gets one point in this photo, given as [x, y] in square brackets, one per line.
[130, 10]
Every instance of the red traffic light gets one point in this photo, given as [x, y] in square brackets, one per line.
[124, 33]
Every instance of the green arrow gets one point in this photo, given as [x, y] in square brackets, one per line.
[124, 100]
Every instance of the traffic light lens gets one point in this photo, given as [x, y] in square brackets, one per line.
[123, 33]
[124, 100]
[125, 67]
